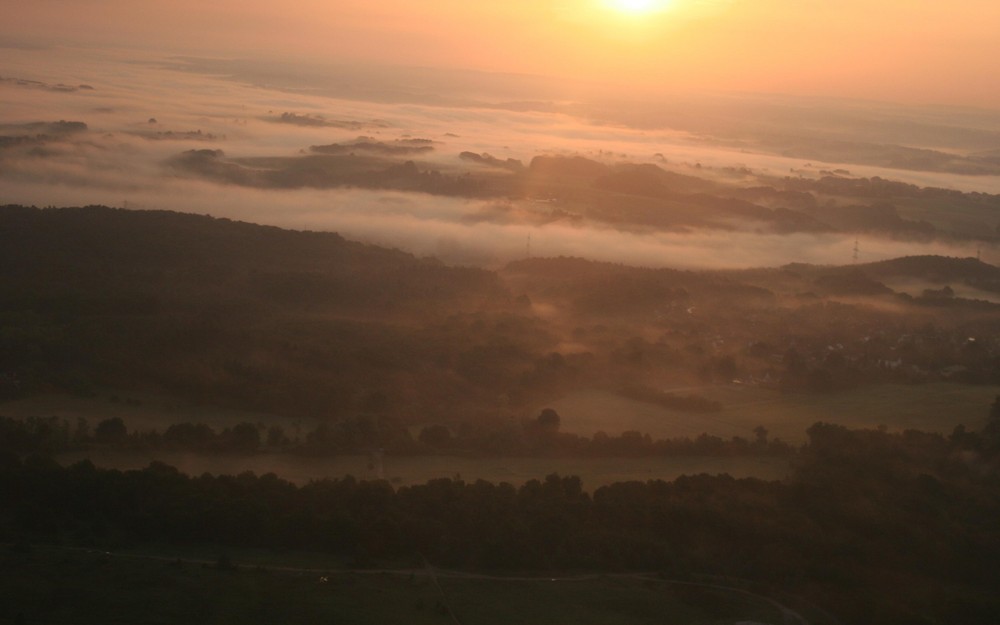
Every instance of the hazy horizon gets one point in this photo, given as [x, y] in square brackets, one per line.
[892, 50]
[695, 87]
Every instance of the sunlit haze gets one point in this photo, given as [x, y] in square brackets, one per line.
[896, 50]
[716, 89]
[638, 7]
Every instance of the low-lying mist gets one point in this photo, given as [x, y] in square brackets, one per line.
[141, 113]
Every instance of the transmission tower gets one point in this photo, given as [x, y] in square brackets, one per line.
[855, 255]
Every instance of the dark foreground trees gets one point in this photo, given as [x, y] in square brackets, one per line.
[875, 527]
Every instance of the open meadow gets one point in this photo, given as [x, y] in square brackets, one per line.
[937, 407]
[53, 585]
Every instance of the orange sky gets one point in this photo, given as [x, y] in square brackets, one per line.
[899, 50]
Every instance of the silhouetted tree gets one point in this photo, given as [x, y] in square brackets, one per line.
[243, 437]
[436, 436]
[761, 433]
[111, 431]
[276, 436]
[991, 431]
[548, 420]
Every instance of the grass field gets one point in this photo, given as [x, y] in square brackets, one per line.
[935, 407]
[404, 470]
[609, 601]
[56, 586]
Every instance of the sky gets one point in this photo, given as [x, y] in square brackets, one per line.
[910, 51]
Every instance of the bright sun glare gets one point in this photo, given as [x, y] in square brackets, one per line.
[638, 6]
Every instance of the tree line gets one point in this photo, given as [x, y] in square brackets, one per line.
[528, 437]
[874, 526]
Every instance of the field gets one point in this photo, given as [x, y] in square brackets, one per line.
[935, 407]
[53, 585]
[408, 470]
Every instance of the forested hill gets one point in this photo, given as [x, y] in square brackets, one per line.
[227, 312]
[939, 269]
[309, 324]
[162, 253]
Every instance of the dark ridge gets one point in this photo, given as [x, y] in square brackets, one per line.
[935, 268]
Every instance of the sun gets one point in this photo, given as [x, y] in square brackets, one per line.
[637, 7]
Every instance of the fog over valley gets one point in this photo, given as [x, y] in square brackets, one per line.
[220, 138]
